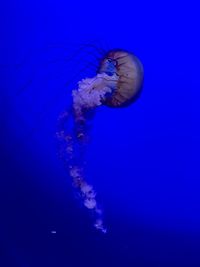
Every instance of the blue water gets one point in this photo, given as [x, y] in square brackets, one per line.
[143, 160]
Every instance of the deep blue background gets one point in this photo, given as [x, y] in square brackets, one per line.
[143, 160]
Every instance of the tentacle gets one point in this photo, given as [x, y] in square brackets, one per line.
[86, 98]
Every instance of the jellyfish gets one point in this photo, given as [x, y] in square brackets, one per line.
[118, 83]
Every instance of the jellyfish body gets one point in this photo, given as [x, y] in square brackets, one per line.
[130, 72]
[117, 84]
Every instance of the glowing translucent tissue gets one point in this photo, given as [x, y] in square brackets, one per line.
[90, 94]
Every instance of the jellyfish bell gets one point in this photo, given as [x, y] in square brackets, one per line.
[130, 74]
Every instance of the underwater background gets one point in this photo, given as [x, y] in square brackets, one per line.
[143, 160]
